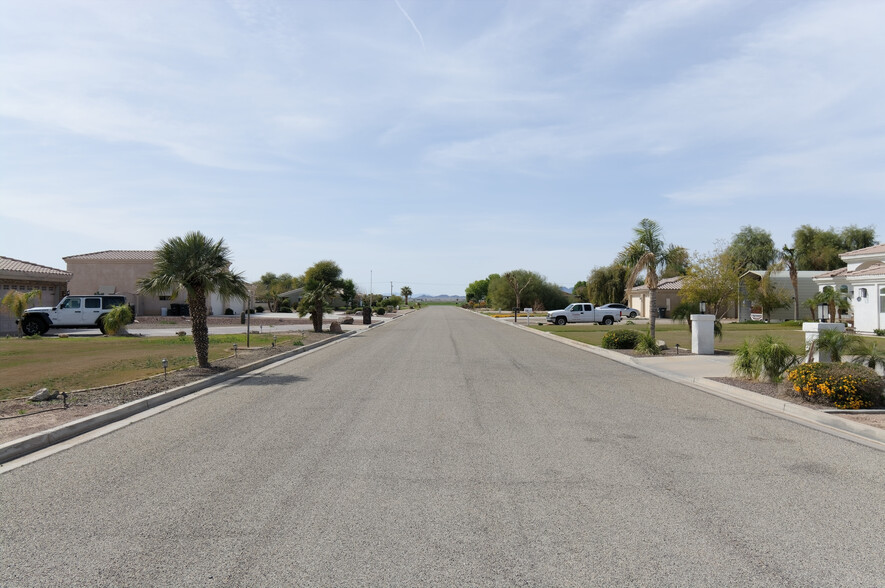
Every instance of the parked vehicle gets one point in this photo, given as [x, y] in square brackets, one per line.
[73, 312]
[623, 308]
[583, 312]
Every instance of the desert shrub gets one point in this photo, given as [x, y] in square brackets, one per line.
[117, 319]
[285, 309]
[764, 356]
[868, 354]
[228, 311]
[879, 332]
[836, 343]
[844, 385]
[259, 309]
[620, 339]
[380, 310]
[647, 345]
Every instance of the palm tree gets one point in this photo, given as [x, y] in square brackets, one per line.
[789, 258]
[406, 292]
[322, 281]
[648, 253]
[17, 303]
[200, 266]
[836, 302]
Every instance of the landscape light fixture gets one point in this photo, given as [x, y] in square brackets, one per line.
[677, 349]
[235, 351]
[165, 365]
[703, 306]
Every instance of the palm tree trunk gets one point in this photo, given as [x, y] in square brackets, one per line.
[196, 300]
[653, 311]
[317, 318]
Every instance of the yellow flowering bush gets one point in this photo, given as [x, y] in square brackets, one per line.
[843, 385]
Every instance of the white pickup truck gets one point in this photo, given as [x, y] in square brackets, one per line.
[584, 312]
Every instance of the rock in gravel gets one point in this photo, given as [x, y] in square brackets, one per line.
[335, 327]
[43, 394]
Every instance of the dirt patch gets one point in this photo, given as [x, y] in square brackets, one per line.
[20, 417]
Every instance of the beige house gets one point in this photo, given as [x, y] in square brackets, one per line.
[117, 272]
[25, 276]
[666, 298]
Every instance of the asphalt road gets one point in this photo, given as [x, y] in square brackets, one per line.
[448, 449]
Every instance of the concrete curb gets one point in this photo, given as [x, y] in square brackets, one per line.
[819, 420]
[20, 447]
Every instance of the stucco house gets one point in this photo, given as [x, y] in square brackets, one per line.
[25, 276]
[666, 297]
[781, 279]
[863, 281]
[117, 272]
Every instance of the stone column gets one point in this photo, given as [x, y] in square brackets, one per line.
[812, 332]
[702, 334]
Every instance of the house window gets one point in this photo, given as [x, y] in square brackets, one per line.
[165, 298]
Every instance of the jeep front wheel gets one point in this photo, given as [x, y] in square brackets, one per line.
[33, 326]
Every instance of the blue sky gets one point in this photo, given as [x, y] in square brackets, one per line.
[430, 144]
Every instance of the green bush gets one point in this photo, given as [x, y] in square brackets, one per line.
[765, 356]
[843, 385]
[879, 332]
[836, 343]
[285, 309]
[380, 310]
[259, 309]
[115, 320]
[620, 339]
[647, 345]
[228, 311]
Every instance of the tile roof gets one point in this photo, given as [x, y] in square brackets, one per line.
[8, 264]
[877, 269]
[873, 270]
[115, 255]
[875, 249]
[664, 284]
[833, 273]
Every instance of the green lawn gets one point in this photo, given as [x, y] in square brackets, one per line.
[75, 363]
[733, 334]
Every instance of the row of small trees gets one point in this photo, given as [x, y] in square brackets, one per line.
[517, 289]
[715, 277]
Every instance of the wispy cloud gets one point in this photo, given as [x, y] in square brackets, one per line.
[411, 22]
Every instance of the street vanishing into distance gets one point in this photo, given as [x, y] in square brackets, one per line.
[449, 449]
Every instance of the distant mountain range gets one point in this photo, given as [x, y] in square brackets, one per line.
[437, 298]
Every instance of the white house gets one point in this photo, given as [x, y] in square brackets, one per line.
[863, 280]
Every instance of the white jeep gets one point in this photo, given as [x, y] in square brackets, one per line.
[73, 312]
